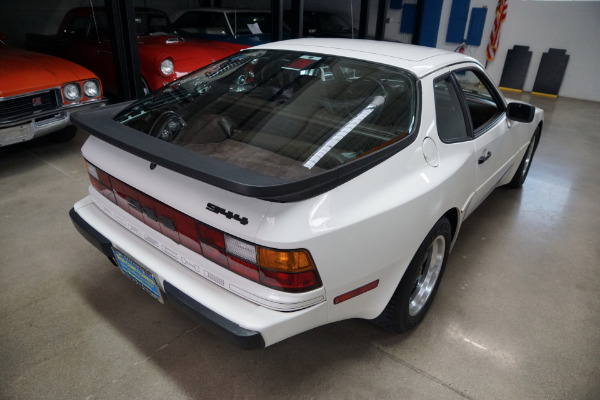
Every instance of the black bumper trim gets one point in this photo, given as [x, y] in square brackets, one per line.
[213, 322]
[92, 235]
[208, 319]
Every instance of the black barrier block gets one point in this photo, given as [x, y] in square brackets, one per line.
[551, 72]
[515, 68]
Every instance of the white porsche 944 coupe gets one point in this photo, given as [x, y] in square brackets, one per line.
[301, 182]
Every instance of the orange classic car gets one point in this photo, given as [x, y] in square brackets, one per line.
[39, 92]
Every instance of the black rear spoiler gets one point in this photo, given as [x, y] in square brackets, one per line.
[100, 123]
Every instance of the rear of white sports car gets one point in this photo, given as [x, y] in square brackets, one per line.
[194, 243]
[273, 192]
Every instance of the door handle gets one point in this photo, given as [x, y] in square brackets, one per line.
[483, 159]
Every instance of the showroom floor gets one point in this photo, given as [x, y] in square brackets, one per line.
[517, 315]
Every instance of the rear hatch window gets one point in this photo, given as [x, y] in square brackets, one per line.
[285, 115]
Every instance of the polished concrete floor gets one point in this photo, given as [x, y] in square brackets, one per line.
[517, 315]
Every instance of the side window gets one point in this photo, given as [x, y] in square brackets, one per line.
[102, 28]
[214, 23]
[449, 116]
[188, 22]
[79, 27]
[483, 108]
[158, 24]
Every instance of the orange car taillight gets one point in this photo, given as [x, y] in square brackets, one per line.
[286, 270]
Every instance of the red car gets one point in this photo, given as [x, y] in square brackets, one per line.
[39, 92]
[83, 38]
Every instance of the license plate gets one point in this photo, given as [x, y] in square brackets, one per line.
[139, 275]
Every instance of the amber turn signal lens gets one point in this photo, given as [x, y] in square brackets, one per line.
[288, 261]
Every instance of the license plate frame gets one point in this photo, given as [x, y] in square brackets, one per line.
[138, 275]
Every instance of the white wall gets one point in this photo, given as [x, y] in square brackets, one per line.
[541, 25]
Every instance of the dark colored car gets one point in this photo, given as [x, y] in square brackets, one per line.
[248, 27]
[323, 24]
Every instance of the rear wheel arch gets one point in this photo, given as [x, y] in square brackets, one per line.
[419, 283]
[453, 216]
[523, 170]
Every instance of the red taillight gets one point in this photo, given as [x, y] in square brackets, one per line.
[105, 191]
[243, 268]
[290, 282]
[101, 181]
[166, 218]
[215, 255]
[211, 236]
[127, 198]
[188, 234]
[287, 270]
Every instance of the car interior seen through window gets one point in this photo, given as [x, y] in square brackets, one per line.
[334, 110]
[482, 106]
[450, 119]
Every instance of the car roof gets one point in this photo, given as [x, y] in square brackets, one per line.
[420, 60]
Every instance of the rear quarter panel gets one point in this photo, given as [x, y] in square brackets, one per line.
[370, 227]
[523, 132]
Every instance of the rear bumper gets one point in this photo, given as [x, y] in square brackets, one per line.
[211, 321]
[208, 319]
[92, 235]
[227, 314]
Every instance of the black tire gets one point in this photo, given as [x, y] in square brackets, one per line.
[521, 174]
[64, 135]
[420, 282]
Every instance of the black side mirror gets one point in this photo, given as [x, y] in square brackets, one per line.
[520, 112]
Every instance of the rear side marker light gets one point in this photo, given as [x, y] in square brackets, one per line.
[356, 292]
[289, 270]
